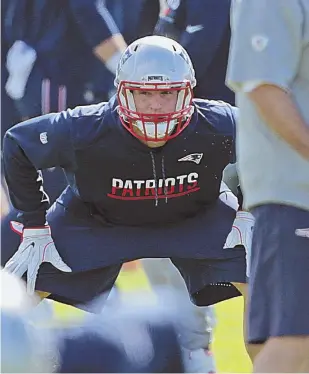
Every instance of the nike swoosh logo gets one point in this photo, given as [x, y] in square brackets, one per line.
[192, 29]
[304, 233]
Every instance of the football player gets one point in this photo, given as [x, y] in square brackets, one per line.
[144, 173]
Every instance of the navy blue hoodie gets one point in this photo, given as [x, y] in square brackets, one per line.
[126, 182]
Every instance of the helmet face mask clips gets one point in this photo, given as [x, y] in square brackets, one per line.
[155, 64]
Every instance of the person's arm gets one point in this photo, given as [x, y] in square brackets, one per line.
[28, 147]
[280, 113]
[99, 30]
[264, 57]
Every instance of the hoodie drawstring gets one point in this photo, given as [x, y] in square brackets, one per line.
[154, 172]
[163, 176]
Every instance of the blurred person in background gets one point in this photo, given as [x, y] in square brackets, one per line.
[9, 113]
[203, 29]
[55, 49]
[134, 333]
[25, 348]
[134, 18]
[131, 335]
[60, 54]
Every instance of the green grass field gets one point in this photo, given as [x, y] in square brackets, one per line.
[228, 346]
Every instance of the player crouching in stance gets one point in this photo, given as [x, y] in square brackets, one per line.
[144, 172]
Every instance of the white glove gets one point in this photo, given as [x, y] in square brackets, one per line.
[241, 234]
[36, 247]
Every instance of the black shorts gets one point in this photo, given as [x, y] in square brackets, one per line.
[96, 252]
[208, 281]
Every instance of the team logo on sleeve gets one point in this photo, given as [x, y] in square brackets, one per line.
[130, 189]
[43, 138]
[193, 157]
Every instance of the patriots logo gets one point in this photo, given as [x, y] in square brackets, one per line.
[193, 157]
[43, 138]
[127, 53]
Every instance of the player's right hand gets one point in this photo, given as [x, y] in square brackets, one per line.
[36, 247]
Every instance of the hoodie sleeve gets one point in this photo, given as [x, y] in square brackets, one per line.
[28, 147]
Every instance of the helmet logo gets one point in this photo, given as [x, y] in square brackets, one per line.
[161, 78]
[127, 53]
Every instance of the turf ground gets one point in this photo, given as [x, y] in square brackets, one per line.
[228, 345]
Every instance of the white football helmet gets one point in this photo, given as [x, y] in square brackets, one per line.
[155, 63]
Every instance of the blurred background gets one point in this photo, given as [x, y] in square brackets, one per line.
[58, 54]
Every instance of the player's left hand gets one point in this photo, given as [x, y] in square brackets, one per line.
[241, 234]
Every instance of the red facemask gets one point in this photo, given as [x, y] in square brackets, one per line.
[155, 127]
